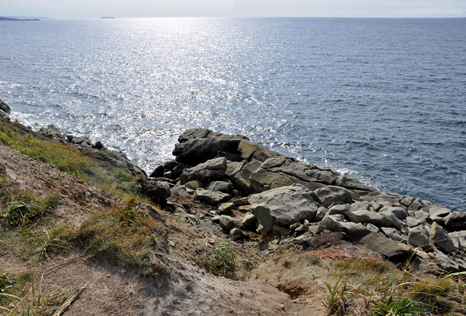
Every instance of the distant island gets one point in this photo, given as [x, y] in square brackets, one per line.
[13, 19]
[107, 17]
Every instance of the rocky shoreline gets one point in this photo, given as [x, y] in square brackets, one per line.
[250, 190]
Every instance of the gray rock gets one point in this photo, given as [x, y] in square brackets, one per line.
[321, 211]
[228, 222]
[456, 221]
[222, 186]
[373, 228]
[212, 197]
[226, 207]
[240, 201]
[382, 245]
[155, 190]
[196, 133]
[194, 184]
[363, 216]
[413, 222]
[233, 167]
[80, 141]
[350, 182]
[421, 215]
[397, 211]
[392, 233]
[361, 205]
[262, 180]
[283, 206]
[4, 115]
[419, 237]
[249, 222]
[332, 194]
[342, 209]
[407, 200]
[440, 238]
[395, 221]
[236, 233]
[460, 238]
[198, 150]
[332, 223]
[415, 206]
[438, 211]
[302, 228]
[241, 178]
[212, 169]
[52, 132]
[5, 107]
[248, 150]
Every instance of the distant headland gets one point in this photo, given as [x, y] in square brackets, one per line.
[15, 19]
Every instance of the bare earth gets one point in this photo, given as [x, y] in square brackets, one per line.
[183, 289]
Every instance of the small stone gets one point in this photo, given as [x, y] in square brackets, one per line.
[171, 244]
[226, 207]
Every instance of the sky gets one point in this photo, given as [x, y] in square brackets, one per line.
[91, 9]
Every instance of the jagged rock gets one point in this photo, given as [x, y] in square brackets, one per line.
[332, 223]
[415, 206]
[158, 172]
[363, 216]
[248, 150]
[212, 169]
[80, 141]
[302, 228]
[157, 191]
[283, 206]
[240, 201]
[421, 215]
[331, 194]
[173, 169]
[350, 182]
[222, 186]
[196, 133]
[407, 201]
[228, 222]
[321, 211]
[361, 205]
[440, 238]
[396, 222]
[198, 150]
[225, 207]
[233, 167]
[413, 222]
[419, 237]
[382, 245]
[194, 184]
[241, 178]
[249, 221]
[460, 238]
[397, 211]
[211, 197]
[244, 208]
[373, 228]
[52, 132]
[455, 221]
[392, 233]
[5, 107]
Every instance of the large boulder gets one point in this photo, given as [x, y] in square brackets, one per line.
[157, 191]
[213, 169]
[439, 236]
[332, 194]
[241, 178]
[248, 150]
[199, 150]
[228, 223]
[382, 245]
[262, 180]
[419, 237]
[283, 206]
[350, 182]
[455, 221]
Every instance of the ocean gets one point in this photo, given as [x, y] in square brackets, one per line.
[383, 100]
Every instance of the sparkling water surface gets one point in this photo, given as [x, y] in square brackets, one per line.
[381, 99]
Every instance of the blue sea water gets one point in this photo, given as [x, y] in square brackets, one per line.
[381, 99]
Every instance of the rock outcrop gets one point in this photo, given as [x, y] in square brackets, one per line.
[295, 201]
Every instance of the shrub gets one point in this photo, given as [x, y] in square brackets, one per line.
[432, 295]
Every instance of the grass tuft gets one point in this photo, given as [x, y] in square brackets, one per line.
[220, 259]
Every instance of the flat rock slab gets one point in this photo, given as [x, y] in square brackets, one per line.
[212, 197]
[283, 206]
[382, 245]
[332, 194]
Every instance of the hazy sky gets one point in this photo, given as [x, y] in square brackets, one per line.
[89, 9]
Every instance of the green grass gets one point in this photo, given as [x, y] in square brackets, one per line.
[119, 235]
[114, 180]
[433, 295]
[220, 259]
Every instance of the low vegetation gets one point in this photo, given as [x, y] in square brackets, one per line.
[114, 180]
[220, 258]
